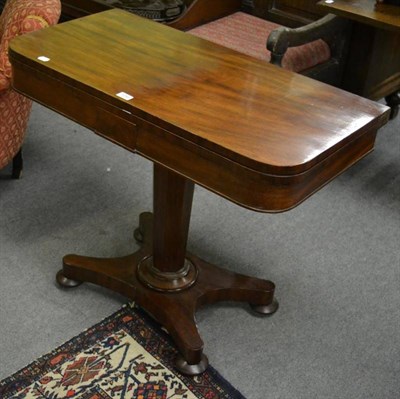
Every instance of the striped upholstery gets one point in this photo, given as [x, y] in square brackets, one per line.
[18, 17]
[248, 34]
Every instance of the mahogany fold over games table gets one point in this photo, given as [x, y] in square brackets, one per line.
[258, 135]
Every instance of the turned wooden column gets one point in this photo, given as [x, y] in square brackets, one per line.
[172, 206]
[168, 269]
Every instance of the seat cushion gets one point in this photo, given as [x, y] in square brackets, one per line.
[248, 34]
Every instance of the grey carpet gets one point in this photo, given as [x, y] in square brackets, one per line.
[335, 260]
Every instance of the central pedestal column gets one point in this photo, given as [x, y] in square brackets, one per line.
[168, 269]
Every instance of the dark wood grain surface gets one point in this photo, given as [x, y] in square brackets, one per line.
[382, 16]
[239, 120]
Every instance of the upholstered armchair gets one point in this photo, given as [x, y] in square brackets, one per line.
[317, 49]
[18, 17]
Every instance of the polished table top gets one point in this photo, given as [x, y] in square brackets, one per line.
[384, 16]
[225, 106]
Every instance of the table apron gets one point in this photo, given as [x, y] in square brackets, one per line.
[247, 187]
[106, 120]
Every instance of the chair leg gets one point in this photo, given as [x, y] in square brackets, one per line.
[393, 101]
[17, 165]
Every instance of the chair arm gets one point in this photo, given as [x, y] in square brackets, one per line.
[326, 28]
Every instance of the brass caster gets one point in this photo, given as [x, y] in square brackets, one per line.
[266, 310]
[66, 282]
[191, 369]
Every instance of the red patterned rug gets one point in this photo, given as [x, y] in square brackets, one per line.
[126, 356]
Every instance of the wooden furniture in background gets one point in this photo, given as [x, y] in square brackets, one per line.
[292, 13]
[382, 16]
[373, 66]
[72, 9]
[391, 2]
[230, 136]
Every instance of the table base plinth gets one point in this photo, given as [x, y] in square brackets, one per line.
[174, 310]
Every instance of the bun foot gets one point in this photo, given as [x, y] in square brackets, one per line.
[191, 369]
[66, 282]
[266, 310]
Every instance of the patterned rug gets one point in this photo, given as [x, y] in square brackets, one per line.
[126, 356]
